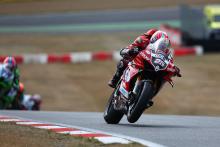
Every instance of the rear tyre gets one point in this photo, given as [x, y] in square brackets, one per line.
[144, 96]
[111, 115]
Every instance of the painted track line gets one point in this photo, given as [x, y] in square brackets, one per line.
[138, 140]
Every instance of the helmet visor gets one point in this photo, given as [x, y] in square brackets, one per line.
[162, 46]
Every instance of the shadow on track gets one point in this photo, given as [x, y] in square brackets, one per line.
[154, 126]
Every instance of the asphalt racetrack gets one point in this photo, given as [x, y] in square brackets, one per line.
[85, 17]
[167, 130]
[90, 21]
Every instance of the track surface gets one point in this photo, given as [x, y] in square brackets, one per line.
[91, 17]
[167, 130]
[90, 21]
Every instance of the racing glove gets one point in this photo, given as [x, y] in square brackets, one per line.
[125, 52]
[133, 51]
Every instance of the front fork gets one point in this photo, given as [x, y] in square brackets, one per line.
[119, 101]
[133, 94]
[135, 89]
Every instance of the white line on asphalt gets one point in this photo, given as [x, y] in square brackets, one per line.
[28, 123]
[49, 127]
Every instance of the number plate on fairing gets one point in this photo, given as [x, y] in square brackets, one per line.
[159, 62]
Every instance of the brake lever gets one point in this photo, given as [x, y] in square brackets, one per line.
[171, 83]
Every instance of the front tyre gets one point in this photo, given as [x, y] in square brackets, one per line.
[144, 95]
[111, 115]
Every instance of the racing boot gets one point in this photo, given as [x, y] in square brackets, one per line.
[113, 82]
[120, 69]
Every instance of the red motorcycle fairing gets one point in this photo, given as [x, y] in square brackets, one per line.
[159, 62]
[129, 73]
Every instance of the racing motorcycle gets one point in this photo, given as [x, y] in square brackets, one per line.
[21, 101]
[140, 82]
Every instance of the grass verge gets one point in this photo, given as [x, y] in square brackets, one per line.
[25, 136]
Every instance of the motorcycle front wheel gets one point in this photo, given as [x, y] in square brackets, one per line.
[111, 115]
[144, 95]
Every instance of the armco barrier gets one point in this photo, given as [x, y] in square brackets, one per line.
[82, 57]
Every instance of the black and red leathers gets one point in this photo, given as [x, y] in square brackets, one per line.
[128, 53]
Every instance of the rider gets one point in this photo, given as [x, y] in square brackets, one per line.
[9, 81]
[132, 50]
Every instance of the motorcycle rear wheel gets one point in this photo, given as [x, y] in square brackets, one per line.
[145, 94]
[111, 115]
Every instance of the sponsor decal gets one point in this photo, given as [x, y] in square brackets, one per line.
[123, 91]
[160, 62]
[144, 56]
[127, 75]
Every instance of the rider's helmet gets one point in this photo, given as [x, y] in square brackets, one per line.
[161, 43]
[10, 63]
[162, 46]
[157, 35]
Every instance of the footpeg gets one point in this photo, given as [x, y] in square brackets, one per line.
[150, 103]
